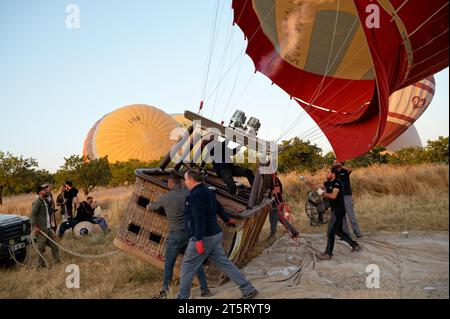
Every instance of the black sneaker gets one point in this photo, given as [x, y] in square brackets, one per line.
[162, 295]
[250, 295]
[206, 293]
[356, 248]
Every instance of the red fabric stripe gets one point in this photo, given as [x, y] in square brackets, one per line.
[424, 87]
[402, 117]
[391, 133]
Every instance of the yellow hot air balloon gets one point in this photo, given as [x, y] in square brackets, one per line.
[182, 121]
[136, 131]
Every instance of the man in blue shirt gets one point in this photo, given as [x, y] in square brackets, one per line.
[173, 205]
[205, 237]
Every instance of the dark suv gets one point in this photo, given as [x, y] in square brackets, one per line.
[14, 238]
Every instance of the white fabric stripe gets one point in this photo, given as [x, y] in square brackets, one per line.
[399, 121]
[428, 83]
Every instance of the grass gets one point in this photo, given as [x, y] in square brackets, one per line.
[386, 199]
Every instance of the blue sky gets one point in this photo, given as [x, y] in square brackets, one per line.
[56, 82]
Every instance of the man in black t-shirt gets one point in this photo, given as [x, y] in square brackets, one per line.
[70, 193]
[344, 175]
[334, 191]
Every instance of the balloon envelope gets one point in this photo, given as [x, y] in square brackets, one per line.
[341, 60]
[405, 107]
[182, 121]
[137, 131]
[409, 138]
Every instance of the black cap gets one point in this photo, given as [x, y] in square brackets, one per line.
[334, 170]
[40, 188]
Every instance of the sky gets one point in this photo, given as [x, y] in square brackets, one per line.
[56, 82]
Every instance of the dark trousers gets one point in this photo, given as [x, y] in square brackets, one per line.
[175, 244]
[227, 174]
[273, 219]
[70, 223]
[336, 229]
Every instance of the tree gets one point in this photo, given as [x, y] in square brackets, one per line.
[329, 158]
[17, 174]
[296, 154]
[408, 156]
[84, 172]
[437, 151]
[122, 173]
[377, 155]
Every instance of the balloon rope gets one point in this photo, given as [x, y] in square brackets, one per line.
[209, 55]
[239, 55]
[426, 21]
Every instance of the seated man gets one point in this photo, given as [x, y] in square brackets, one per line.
[226, 169]
[85, 212]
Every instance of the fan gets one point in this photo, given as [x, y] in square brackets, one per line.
[317, 209]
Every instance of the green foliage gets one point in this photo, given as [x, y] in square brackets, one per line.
[19, 174]
[122, 173]
[437, 151]
[84, 172]
[329, 158]
[296, 154]
[408, 156]
[377, 155]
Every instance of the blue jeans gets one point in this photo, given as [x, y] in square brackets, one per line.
[175, 244]
[192, 262]
[348, 200]
[99, 221]
[70, 223]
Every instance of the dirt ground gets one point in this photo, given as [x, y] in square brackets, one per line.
[411, 265]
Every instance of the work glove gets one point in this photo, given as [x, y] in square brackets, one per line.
[37, 229]
[231, 223]
[199, 247]
[320, 191]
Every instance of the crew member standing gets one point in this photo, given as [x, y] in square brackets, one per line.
[40, 221]
[205, 238]
[334, 191]
[344, 175]
[70, 194]
[173, 205]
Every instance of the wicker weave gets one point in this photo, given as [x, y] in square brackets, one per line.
[140, 228]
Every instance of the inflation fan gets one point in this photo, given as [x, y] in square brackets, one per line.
[317, 209]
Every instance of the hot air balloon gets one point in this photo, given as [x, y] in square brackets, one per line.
[341, 60]
[409, 138]
[405, 107]
[181, 120]
[137, 131]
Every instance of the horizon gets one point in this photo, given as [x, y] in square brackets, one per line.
[57, 82]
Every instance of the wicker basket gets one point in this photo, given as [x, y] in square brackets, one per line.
[143, 233]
